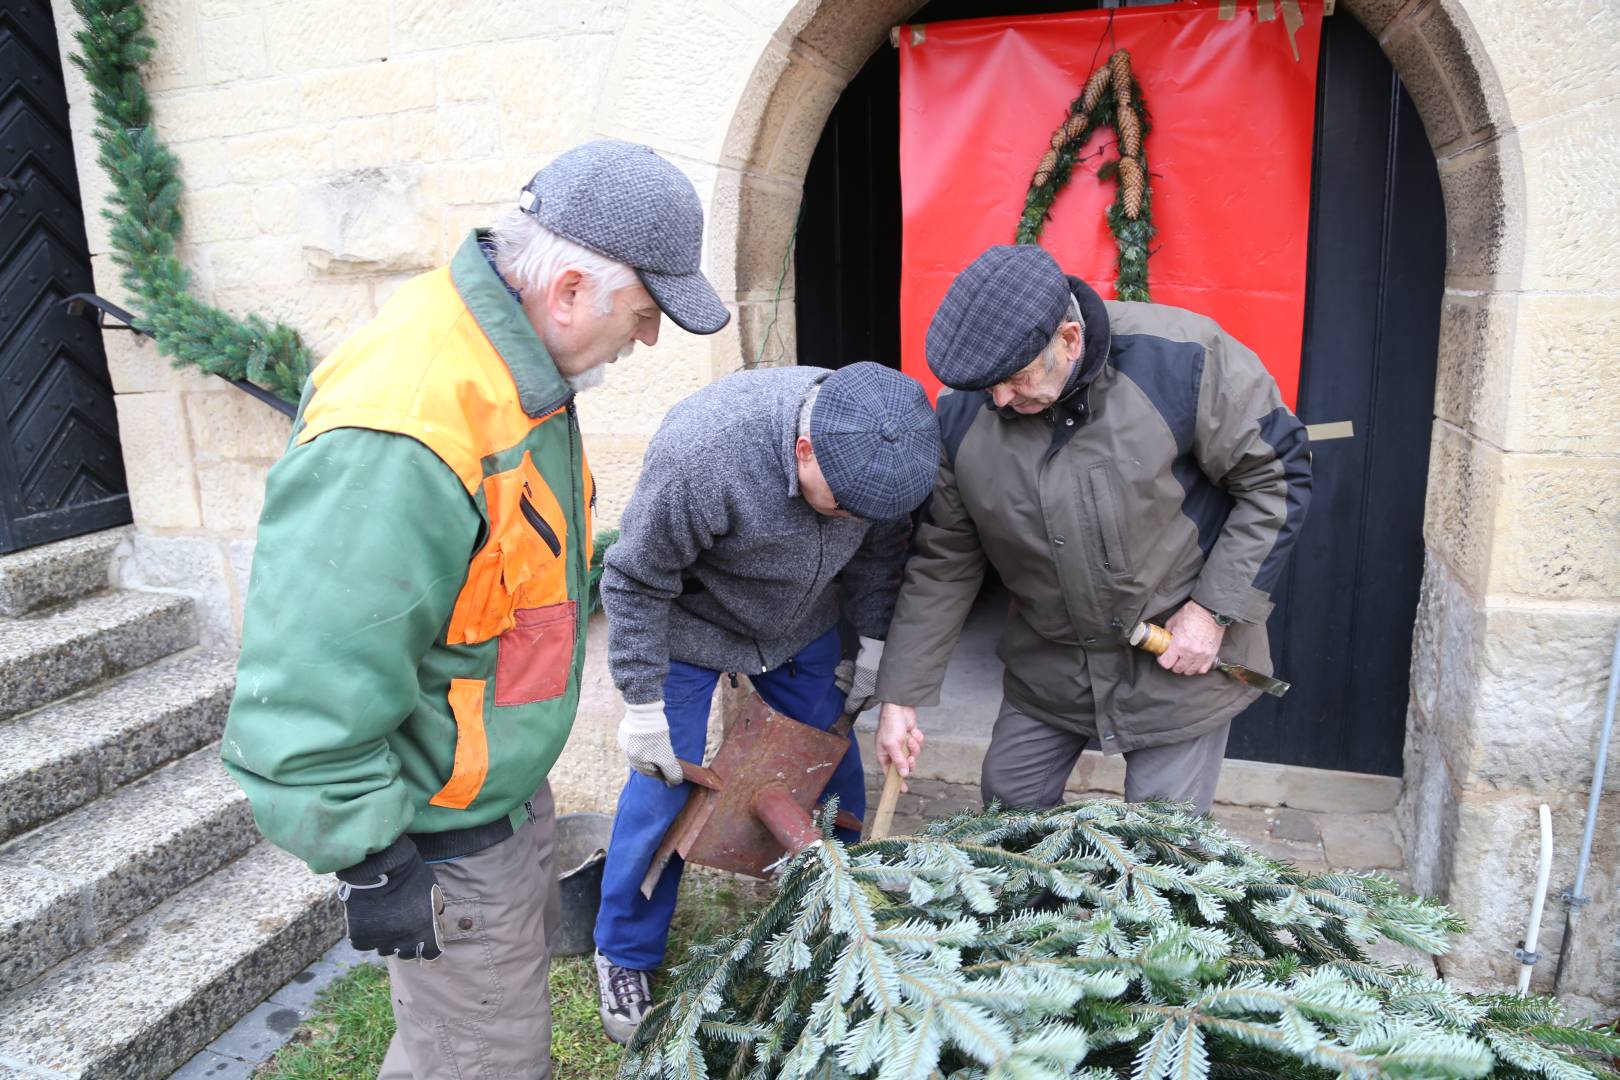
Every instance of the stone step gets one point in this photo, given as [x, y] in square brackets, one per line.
[74, 882]
[52, 573]
[63, 755]
[60, 757]
[145, 1000]
[47, 655]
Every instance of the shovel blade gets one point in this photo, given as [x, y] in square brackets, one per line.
[1274, 687]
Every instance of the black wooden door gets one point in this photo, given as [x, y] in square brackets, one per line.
[61, 472]
[1342, 630]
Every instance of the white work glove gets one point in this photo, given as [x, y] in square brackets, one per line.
[644, 738]
[863, 683]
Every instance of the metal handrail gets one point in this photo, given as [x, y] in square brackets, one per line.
[76, 304]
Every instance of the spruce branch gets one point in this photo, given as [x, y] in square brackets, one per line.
[145, 218]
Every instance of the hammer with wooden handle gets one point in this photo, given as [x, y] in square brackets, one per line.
[1155, 639]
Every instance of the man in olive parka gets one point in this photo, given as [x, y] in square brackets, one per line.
[1115, 462]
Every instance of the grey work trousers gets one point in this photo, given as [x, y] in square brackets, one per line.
[1029, 761]
[482, 1011]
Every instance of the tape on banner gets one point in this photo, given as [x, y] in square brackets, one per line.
[1293, 20]
[1338, 429]
[1267, 9]
[1327, 7]
[1228, 10]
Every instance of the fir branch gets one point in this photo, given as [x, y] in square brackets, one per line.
[950, 955]
[144, 213]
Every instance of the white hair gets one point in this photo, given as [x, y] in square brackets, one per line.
[530, 256]
[807, 407]
[1054, 348]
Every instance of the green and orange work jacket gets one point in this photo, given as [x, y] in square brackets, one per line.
[415, 624]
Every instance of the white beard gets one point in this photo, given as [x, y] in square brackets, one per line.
[591, 379]
[586, 380]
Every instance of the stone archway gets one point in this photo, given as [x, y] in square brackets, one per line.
[1488, 104]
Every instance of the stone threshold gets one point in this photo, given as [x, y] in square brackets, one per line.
[956, 760]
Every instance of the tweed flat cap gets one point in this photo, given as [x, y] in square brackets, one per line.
[876, 440]
[997, 316]
[623, 201]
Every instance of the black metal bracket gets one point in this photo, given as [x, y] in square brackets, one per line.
[76, 304]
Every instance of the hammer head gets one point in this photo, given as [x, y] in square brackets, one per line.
[719, 826]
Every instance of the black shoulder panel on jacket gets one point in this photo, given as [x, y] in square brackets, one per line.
[957, 410]
[1169, 373]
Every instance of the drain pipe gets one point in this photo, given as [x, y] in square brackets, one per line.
[1575, 899]
[1526, 953]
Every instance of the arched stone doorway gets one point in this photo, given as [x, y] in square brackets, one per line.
[1521, 580]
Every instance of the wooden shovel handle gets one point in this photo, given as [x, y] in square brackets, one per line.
[885, 811]
[1150, 637]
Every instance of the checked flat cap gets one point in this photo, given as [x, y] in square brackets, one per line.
[623, 201]
[997, 316]
[876, 440]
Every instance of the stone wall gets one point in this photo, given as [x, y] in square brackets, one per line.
[331, 150]
[1521, 595]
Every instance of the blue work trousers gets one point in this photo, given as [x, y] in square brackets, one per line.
[632, 931]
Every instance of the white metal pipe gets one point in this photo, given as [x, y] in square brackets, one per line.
[1527, 952]
[1576, 898]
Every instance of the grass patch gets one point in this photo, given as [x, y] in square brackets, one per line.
[348, 1035]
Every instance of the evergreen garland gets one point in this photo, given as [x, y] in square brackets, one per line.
[145, 216]
[1110, 98]
[1095, 941]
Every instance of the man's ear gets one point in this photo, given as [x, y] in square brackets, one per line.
[1074, 340]
[802, 450]
[565, 297]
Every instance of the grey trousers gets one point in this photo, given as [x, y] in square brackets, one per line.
[482, 1011]
[1029, 761]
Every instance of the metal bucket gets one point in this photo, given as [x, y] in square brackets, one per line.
[581, 849]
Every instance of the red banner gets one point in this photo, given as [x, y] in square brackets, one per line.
[1233, 115]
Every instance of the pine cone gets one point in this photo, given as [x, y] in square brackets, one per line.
[1075, 128]
[1043, 171]
[1130, 132]
[1119, 65]
[1094, 89]
[1131, 185]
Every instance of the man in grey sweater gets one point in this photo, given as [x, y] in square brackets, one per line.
[768, 502]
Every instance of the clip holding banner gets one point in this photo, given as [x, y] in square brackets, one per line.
[919, 34]
[1292, 20]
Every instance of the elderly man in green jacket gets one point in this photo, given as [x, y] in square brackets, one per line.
[415, 626]
[1115, 462]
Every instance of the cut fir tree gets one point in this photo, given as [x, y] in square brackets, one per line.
[1092, 941]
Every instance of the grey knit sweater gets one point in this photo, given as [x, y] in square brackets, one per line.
[719, 562]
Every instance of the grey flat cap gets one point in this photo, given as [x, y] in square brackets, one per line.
[997, 316]
[623, 201]
[876, 440]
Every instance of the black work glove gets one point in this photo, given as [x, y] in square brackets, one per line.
[392, 903]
